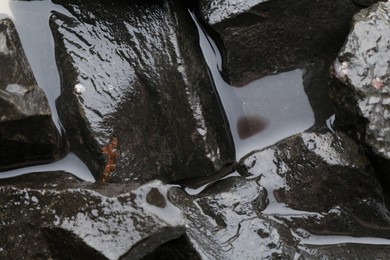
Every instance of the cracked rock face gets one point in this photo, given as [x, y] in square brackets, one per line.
[135, 86]
[362, 85]
[308, 196]
[27, 134]
[54, 215]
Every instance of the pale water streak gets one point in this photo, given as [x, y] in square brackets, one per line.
[263, 112]
[70, 164]
[31, 19]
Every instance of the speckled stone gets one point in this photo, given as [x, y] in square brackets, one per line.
[361, 89]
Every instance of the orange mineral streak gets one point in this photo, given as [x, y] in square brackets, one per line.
[112, 154]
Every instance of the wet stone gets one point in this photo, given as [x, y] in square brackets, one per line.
[260, 38]
[361, 86]
[27, 133]
[56, 216]
[136, 98]
[312, 195]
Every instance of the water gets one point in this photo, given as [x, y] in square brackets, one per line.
[70, 163]
[260, 114]
[263, 112]
[31, 19]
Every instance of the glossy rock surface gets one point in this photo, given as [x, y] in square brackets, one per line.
[278, 35]
[56, 216]
[362, 83]
[134, 81]
[27, 134]
[312, 195]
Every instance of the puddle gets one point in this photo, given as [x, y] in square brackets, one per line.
[263, 112]
[31, 19]
[70, 163]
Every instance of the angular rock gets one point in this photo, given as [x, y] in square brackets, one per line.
[259, 38]
[55, 216]
[310, 196]
[361, 89]
[27, 133]
[136, 98]
[215, 11]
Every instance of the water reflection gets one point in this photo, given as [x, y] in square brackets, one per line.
[31, 19]
[70, 163]
[263, 112]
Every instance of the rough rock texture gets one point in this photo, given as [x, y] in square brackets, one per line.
[277, 35]
[214, 11]
[135, 87]
[55, 216]
[27, 134]
[309, 196]
[360, 88]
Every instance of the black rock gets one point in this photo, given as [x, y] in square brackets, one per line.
[136, 101]
[54, 215]
[307, 197]
[27, 133]
[259, 38]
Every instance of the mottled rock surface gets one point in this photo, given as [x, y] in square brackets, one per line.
[214, 11]
[135, 85]
[56, 216]
[312, 195]
[27, 134]
[362, 86]
[277, 35]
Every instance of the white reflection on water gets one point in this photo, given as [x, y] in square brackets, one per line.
[263, 112]
[31, 19]
[70, 164]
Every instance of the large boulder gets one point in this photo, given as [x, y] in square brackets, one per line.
[27, 133]
[362, 83]
[136, 101]
[311, 196]
[265, 37]
[56, 216]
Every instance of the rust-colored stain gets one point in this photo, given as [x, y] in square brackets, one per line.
[110, 150]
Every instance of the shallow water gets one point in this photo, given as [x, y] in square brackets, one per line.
[260, 114]
[31, 19]
[263, 112]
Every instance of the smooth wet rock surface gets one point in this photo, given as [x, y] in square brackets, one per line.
[54, 215]
[308, 196]
[27, 134]
[138, 106]
[277, 35]
[136, 97]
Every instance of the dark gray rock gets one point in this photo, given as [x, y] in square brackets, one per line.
[361, 86]
[135, 85]
[311, 196]
[55, 216]
[259, 38]
[27, 133]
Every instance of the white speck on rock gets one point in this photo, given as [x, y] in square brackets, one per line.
[16, 88]
[79, 88]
